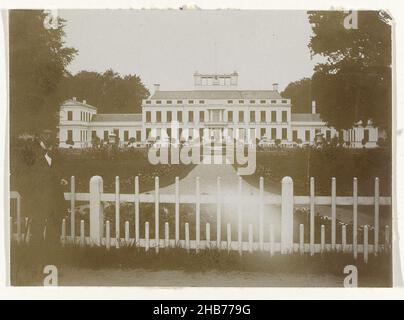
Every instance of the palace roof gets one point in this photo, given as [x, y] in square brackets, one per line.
[117, 117]
[217, 94]
[306, 117]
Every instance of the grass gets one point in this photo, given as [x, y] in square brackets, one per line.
[27, 263]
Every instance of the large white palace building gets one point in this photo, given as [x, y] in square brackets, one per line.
[215, 109]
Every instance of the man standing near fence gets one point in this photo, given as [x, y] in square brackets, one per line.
[41, 190]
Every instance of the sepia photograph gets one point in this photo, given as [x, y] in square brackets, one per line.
[200, 148]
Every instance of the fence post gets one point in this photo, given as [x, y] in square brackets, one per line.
[287, 215]
[166, 235]
[117, 214]
[96, 210]
[207, 232]
[365, 244]
[197, 216]
[107, 235]
[312, 218]
[157, 214]
[387, 239]
[177, 210]
[355, 219]
[219, 215]
[322, 238]
[228, 237]
[187, 244]
[127, 235]
[146, 236]
[72, 208]
[376, 234]
[63, 232]
[240, 217]
[137, 231]
[82, 234]
[333, 212]
[301, 238]
[261, 213]
[343, 237]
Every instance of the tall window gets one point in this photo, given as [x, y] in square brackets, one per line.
[263, 116]
[138, 135]
[365, 133]
[307, 135]
[273, 116]
[252, 116]
[284, 133]
[328, 135]
[70, 115]
[201, 116]
[284, 116]
[93, 135]
[169, 116]
[148, 133]
[230, 116]
[262, 132]
[116, 132]
[69, 135]
[294, 133]
[241, 116]
[106, 134]
[158, 116]
[169, 133]
[179, 116]
[126, 135]
[190, 116]
[148, 116]
[273, 133]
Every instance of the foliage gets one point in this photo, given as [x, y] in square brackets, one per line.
[110, 92]
[38, 61]
[355, 80]
[300, 94]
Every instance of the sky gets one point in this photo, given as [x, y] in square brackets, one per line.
[167, 47]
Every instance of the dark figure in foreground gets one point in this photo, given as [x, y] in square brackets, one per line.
[41, 190]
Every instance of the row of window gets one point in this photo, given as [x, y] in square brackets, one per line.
[272, 134]
[255, 116]
[230, 101]
[84, 135]
[230, 133]
[84, 116]
[307, 134]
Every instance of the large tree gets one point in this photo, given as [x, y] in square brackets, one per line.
[354, 83]
[300, 94]
[38, 60]
[109, 91]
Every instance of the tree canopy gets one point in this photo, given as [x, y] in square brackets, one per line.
[109, 91]
[38, 60]
[355, 81]
[300, 94]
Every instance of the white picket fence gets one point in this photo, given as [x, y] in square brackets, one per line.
[100, 232]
